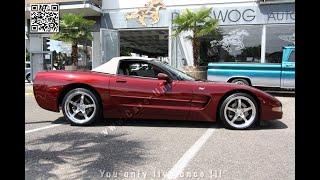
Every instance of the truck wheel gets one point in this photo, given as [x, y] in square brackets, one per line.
[240, 81]
[81, 107]
[239, 111]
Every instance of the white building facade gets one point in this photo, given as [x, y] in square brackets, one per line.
[252, 30]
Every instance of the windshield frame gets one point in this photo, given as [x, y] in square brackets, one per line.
[178, 74]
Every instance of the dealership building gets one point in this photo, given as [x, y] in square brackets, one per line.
[251, 30]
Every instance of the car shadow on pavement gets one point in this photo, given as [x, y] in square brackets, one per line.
[274, 124]
[145, 123]
[158, 123]
[37, 122]
[60, 120]
[75, 155]
[278, 94]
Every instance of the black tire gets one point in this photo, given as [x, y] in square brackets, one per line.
[95, 115]
[28, 78]
[240, 81]
[253, 122]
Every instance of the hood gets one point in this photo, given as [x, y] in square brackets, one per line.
[224, 87]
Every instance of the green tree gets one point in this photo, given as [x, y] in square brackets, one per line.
[125, 51]
[74, 29]
[200, 23]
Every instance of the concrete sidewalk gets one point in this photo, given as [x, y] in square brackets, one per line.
[28, 88]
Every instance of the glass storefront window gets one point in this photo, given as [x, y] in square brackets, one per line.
[278, 36]
[237, 44]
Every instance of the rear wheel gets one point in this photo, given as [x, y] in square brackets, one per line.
[240, 81]
[239, 111]
[81, 107]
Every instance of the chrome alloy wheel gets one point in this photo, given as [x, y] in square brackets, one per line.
[80, 107]
[240, 112]
[240, 83]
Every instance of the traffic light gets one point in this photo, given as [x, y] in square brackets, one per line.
[46, 44]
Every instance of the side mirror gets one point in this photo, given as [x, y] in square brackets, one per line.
[162, 76]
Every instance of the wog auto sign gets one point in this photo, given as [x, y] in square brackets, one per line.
[253, 15]
[234, 15]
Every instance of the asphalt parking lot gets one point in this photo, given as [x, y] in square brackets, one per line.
[148, 149]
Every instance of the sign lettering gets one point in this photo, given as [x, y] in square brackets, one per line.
[235, 15]
[281, 16]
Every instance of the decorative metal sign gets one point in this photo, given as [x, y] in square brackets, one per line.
[151, 10]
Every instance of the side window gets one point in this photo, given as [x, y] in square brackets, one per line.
[142, 69]
[292, 57]
[123, 68]
[133, 68]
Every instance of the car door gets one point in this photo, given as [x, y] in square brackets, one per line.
[288, 68]
[139, 94]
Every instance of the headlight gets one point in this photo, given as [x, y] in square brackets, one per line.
[277, 109]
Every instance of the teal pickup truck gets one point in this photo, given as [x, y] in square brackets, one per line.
[257, 74]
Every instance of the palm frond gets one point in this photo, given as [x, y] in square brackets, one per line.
[74, 28]
[208, 28]
[200, 22]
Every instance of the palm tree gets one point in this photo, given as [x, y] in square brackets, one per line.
[200, 23]
[74, 29]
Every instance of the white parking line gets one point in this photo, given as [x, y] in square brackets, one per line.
[184, 160]
[42, 128]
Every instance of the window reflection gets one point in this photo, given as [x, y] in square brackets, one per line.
[61, 55]
[235, 44]
[277, 37]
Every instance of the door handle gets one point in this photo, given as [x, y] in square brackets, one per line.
[121, 81]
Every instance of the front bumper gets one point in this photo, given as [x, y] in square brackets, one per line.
[271, 109]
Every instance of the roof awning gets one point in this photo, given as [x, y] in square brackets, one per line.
[85, 9]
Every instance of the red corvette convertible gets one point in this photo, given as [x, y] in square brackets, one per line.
[143, 88]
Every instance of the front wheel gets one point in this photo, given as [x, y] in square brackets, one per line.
[81, 107]
[239, 111]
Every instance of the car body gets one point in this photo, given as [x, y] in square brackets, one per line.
[138, 94]
[258, 74]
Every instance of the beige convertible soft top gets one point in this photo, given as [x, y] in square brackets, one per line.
[111, 66]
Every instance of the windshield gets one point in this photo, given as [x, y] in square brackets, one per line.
[175, 72]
